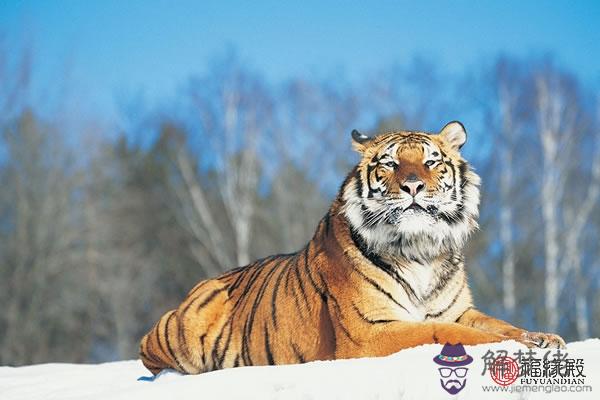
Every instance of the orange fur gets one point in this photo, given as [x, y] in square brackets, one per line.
[337, 297]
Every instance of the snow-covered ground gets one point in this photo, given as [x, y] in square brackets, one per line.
[409, 374]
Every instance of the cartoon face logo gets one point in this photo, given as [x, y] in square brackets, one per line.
[453, 373]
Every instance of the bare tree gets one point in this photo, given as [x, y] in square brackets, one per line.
[552, 112]
[507, 103]
[209, 247]
[233, 110]
[559, 114]
[578, 214]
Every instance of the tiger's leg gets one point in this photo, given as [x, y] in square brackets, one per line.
[392, 337]
[476, 319]
[183, 338]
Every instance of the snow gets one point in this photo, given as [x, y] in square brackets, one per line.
[409, 374]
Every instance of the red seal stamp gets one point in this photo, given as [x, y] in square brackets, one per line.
[504, 371]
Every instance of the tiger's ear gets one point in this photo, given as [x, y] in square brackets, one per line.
[454, 134]
[359, 141]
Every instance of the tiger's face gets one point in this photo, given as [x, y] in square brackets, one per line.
[413, 192]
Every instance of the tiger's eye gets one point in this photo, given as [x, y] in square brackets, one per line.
[390, 164]
[429, 163]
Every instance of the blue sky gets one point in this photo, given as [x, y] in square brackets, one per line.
[111, 49]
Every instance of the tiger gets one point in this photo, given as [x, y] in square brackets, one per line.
[384, 271]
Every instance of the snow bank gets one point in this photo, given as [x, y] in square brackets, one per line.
[409, 374]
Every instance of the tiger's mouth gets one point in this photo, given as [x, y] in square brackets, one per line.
[413, 209]
[416, 207]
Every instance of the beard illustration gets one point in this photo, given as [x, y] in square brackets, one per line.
[453, 386]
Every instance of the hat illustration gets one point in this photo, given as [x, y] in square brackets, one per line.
[453, 355]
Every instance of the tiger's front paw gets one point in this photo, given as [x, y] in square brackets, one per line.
[542, 340]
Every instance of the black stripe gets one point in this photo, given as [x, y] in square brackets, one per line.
[157, 334]
[215, 348]
[151, 357]
[298, 354]
[454, 195]
[270, 359]
[240, 278]
[295, 297]
[197, 287]
[299, 280]
[371, 321]
[307, 269]
[203, 355]
[359, 184]
[276, 289]
[182, 339]
[450, 269]
[413, 138]
[327, 222]
[461, 315]
[148, 360]
[245, 347]
[209, 298]
[339, 313]
[440, 313]
[247, 286]
[259, 296]
[324, 282]
[250, 319]
[226, 346]
[233, 271]
[255, 274]
[379, 288]
[286, 285]
[451, 218]
[371, 190]
[463, 167]
[379, 263]
[166, 332]
[370, 218]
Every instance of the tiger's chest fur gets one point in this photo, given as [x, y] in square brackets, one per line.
[426, 290]
[434, 291]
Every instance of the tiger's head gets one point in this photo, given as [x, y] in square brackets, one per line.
[412, 194]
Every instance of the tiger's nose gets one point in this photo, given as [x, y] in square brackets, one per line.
[412, 185]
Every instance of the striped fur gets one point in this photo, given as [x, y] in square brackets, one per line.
[376, 277]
